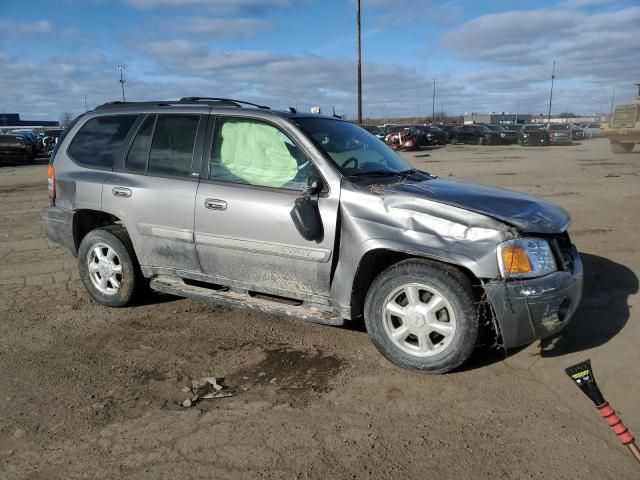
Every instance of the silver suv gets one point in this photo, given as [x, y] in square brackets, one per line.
[308, 216]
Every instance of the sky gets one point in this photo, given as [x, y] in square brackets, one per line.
[485, 55]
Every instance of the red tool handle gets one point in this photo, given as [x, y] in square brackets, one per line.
[616, 424]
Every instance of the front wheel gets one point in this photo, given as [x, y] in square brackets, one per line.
[108, 266]
[422, 316]
[480, 140]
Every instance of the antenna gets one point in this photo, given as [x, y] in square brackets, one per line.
[122, 68]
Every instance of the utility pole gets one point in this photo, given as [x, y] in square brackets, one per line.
[613, 96]
[359, 69]
[122, 68]
[84, 99]
[553, 76]
[433, 102]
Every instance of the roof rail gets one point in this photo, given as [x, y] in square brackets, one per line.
[216, 100]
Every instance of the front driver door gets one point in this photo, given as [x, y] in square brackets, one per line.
[243, 228]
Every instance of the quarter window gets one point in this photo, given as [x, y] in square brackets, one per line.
[256, 153]
[99, 140]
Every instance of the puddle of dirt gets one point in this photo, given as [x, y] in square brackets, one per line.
[293, 371]
[561, 194]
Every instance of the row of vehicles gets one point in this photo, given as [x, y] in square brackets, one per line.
[25, 145]
[411, 137]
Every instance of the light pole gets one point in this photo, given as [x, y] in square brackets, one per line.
[122, 68]
[613, 96]
[84, 99]
[433, 102]
[359, 69]
[553, 76]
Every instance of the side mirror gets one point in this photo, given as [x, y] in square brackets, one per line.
[306, 217]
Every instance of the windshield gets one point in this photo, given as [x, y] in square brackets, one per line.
[351, 148]
[558, 127]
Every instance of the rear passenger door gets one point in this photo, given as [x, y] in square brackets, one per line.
[153, 188]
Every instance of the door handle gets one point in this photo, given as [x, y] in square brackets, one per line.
[215, 204]
[121, 192]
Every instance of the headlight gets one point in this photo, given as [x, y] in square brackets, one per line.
[525, 258]
[525, 135]
[503, 135]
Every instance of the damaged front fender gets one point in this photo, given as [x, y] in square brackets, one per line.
[377, 217]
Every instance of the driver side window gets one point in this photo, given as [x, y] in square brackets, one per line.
[252, 152]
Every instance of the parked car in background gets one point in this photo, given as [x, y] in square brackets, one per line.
[405, 137]
[507, 136]
[592, 130]
[431, 135]
[559, 134]
[450, 131]
[16, 148]
[375, 130]
[436, 136]
[479, 134]
[50, 138]
[533, 134]
[577, 133]
[38, 145]
[30, 141]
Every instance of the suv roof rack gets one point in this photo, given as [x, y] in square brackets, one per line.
[218, 102]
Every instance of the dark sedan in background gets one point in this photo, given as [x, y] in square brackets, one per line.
[479, 134]
[507, 135]
[533, 135]
[16, 148]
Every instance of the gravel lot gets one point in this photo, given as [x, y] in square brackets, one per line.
[90, 392]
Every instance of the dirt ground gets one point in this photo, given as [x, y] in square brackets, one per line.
[90, 392]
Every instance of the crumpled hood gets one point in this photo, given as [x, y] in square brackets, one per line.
[525, 212]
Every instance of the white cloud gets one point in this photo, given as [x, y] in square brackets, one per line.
[11, 28]
[219, 27]
[226, 5]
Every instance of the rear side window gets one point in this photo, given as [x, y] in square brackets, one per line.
[99, 140]
[172, 147]
[139, 151]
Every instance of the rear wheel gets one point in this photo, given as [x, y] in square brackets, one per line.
[108, 266]
[422, 316]
[620, 147]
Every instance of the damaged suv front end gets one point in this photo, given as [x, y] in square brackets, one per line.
[516, 246]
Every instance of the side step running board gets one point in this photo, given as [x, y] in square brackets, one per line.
[309, 312]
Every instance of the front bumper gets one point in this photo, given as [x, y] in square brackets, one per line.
[535, 141]
[561, 140]
[58, 225]
[527, 310]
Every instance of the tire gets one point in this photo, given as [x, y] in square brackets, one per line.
[481, 141]
[111, 238]
[619, 147]
[441, 354]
